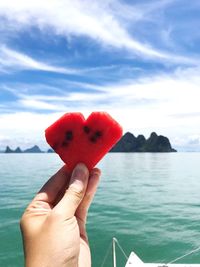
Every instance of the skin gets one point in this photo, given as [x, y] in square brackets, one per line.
[54, 224]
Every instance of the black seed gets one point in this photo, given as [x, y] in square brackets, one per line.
[69, 135]
[64, 144]
[86, 129]
[93, 139]
[98, 133]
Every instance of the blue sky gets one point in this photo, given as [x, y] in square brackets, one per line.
[137, 60]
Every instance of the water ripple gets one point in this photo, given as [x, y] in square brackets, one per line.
[150, 202]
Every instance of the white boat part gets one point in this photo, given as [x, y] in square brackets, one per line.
[135, 261]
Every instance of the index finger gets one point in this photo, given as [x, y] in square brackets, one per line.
[54, 186]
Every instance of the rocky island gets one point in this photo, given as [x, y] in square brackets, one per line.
[155, 143]
[34, 149]
[128, 143]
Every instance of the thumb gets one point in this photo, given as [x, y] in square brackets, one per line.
[74, 193]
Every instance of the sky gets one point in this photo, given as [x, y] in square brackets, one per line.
[139, 60]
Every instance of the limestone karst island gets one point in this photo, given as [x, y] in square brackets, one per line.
[128, 143]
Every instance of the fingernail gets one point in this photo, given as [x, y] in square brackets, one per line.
[95, 172]
[79, 175]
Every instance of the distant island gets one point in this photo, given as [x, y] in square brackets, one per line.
[34, 149]
[155, 143]
[128, 143]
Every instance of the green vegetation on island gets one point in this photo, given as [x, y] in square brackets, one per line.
[155, 143]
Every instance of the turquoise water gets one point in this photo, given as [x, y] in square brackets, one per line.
[149, 202]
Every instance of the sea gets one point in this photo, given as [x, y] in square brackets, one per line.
[150, 202]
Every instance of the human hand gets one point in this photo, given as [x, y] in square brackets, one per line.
[54, 224]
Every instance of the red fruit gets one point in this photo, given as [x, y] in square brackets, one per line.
[76, 140]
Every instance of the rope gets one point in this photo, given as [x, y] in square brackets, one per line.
[106, 255]
[187, 254]
[109, 250]
[117, 242]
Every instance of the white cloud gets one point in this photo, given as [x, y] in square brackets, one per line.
[38, 104]
[179, 91]
[95, 19]
[10, 59]
[23, 128]
[168, 105]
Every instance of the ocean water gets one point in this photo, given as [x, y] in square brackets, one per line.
[149, 201]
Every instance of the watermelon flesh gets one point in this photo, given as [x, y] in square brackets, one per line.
[76, 140]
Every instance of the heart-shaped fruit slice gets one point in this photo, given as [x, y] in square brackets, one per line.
[78, 140]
